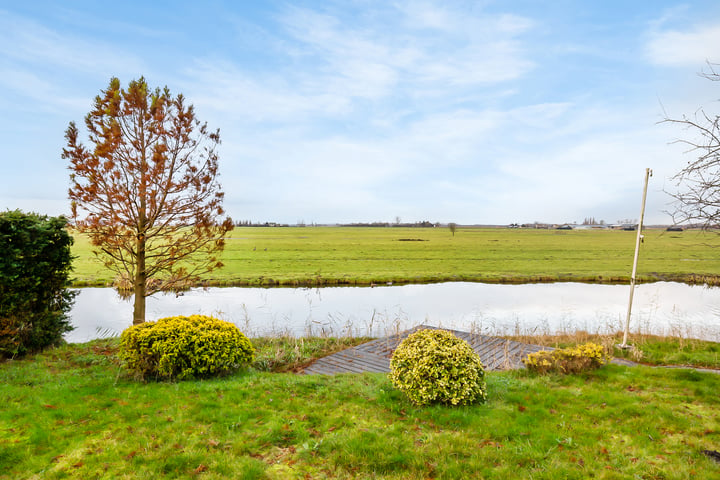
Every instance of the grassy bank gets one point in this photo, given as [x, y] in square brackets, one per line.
[362, 256]
[69, 413]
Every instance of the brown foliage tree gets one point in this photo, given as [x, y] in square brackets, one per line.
[147, 194]
[697, 200]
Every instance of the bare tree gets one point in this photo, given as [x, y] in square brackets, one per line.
[146, 193]
[697, 199]
[453, 227]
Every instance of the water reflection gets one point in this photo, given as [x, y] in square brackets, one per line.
[662, 308]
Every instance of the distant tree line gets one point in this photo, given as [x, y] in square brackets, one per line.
[249, 223]
[301, 223]
[423, 224]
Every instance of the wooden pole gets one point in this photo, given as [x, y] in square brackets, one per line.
[648, 174]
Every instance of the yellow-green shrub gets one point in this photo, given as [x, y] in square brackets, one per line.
[435, 366]
[184, 347]
[579, 358]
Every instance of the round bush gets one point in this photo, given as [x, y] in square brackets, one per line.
[184, 347]
[435, 366]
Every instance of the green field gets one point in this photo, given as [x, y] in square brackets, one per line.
[71, 413]
[362, 256]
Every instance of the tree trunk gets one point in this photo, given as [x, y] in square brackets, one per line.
[140, 273]
[140, 282]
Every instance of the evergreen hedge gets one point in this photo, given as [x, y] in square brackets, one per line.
[35, 264]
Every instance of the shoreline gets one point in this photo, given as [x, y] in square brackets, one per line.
[319, 281]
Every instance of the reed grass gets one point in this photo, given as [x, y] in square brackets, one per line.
[291, 354]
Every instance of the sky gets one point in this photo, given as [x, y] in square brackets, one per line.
[474, 112]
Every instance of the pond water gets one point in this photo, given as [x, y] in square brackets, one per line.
[491, 309]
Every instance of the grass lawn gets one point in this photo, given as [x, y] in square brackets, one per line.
[70, 413]
[361, 256]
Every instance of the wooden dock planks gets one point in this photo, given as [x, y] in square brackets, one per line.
[496, 353]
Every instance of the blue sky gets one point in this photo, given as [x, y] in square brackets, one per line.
[472, 112]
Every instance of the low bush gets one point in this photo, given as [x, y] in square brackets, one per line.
[435, 366]
[184, 347]
[579, 358]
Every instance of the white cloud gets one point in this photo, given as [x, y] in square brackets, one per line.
[46, 95]
[34, 45]
[367, 110]
[373, 74]
[673, 48]
[52, 67]
[240, 96]
[376, 59]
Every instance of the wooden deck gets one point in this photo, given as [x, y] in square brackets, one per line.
[495, 353]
